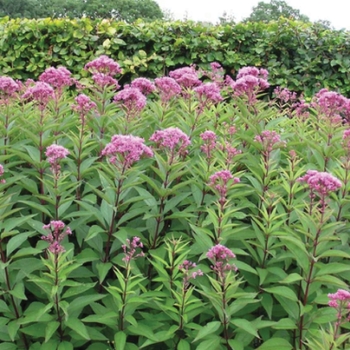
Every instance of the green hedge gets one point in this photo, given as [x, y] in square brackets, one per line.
[298, 55]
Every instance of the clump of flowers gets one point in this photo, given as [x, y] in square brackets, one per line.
[219, 181]
[341, 302]
[269, 140]
[215, 73]
[167, 88]
[186, 77]
[285, 95]
[55, 153]
[124, 150]
[83, 104]
[58, 78]
[2, 173]
[57, 231]
[173, 140]
[321, 182]
[8, 89]
[132, 100]
[41, 93]
[185, 268]
[130, 249]
[103, 69]
[209, 138]
[249, 81]
[208, 95]
[144, 85]
[221, 256]
[332, 104]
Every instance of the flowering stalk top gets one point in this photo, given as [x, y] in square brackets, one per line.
[144, 85]
[124, 150]
[132, 100]
[185, 268]
[167, 88]
[104, 65]
[186, 77]
[321, 182]
[8, 88]
[57, 77]
[340, 301]
[172, 139]
[57, 231]
[54, 154]
[130, 249]
[219, 181]
[41, 93]
[208, 94]
[209, 138]
[2, 173]
[220, 256]
[269, 140]
[83, 104]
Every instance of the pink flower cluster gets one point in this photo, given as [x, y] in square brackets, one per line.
[209, 138]
[285, 95]
[331, 103]
[221, 255]
[340, 301]
[124, 150]
[186, 77]
[130, 249]
[8, 87]
[103, 69]
[208, 94]
[55, 153]
[269, 140]
[41, 93]
[167, 88]
[249, 81]
[56, 234]
[57, 77]
[83, 104]
[2, 173]
[346, 141]
[144, 85]
[321, 182]
[132, 100]
[103, 64]
[215, 74]
[185, 268]
[219, 181]
[173, 139]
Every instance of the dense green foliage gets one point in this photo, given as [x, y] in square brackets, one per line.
[224, 171]
[266, 12]
[126, 10]
[298, 55]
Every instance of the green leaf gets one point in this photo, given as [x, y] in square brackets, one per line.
[50, 329]
[183, 345]
[18, 291]
[65, 346]
[209, 328]
[3, 307]
[12, 329]
[8, 346]
[78, 327]
[120, 339]
[282, 291]
[212, 343]
[79, 303]
[293, 277]
[246, 326]
[274, 344]
[284, 323]
[16, 241]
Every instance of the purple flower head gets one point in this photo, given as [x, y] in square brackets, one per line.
[83, 104]
[331, 103]
[130, 249]
[285, 95]
[186, 77]
[144, 85]
[124, 150]
[168, 88]
[41, 93]
[57, 77]
[132, 100]
[102, 80]
[220, 256]
[208, 94]
[57, 231]
[340, 301]
[2, 173]
[269, 140]
[8, 87]
[185, 268]
[321, 182]
[253, 71]
[219, 182]
[104, 65]
[54, 154]
[173, 139]
[209, 138]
